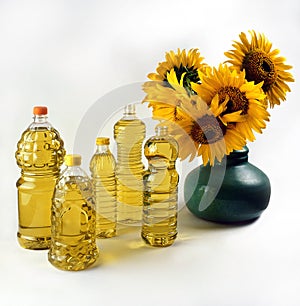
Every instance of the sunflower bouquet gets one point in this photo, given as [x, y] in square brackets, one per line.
[212, 111]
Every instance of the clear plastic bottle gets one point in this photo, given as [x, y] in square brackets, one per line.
[159, 226]
[73, 242]
[40, 153]
[102, 167]
[129, 134]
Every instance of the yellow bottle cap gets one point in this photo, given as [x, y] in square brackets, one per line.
[102, 141]
[72, 160]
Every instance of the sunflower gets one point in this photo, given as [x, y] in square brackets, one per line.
[202, 131]
[165, 101]
[183, 63]
[246, 97]
[262, 65]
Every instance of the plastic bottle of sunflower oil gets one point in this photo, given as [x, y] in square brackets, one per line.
[159, 227]
[102, 167]
[129, 134]
[73, 241]
[40, 153]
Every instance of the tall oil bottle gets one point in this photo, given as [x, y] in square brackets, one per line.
[40, 153]
[129, 134]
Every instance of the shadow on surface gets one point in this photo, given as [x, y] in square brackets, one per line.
[128, 243]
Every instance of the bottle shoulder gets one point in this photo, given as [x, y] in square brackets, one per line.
[40, 134]
[74, 176]
[129, 122]
[40, 148]
[128, 131]
[156, 147]
[73, 187]
[163, 139]
[103, 162]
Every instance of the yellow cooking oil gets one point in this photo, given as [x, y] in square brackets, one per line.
[102, 167]
[129, 134]
[159, 226]
[73, 243]
[40, 153]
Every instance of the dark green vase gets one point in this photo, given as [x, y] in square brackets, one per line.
[232, 191]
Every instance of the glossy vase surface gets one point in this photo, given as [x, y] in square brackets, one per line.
[231, 191]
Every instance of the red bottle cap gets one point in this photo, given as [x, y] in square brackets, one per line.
[40, 110]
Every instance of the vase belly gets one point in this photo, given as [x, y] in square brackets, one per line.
[243, 195]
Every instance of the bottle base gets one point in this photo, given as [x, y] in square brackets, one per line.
[106, 234]
[34, 243]
[159, 241]
[72, 265]
[73, 258]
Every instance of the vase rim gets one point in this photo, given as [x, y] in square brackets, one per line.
[239, 153]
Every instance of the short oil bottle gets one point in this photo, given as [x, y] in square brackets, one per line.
[73, 241]
[102, 167]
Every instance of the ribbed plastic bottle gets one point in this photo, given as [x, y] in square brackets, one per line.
[102, 167]
[40, 153]
[73, 242]
[129, 134]
[159, 226]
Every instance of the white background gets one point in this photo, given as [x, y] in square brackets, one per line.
[67, 55]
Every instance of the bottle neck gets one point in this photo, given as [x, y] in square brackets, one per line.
[40, 121]
[102, 149]
[40, 118]
[161, 131]
[129, 112]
